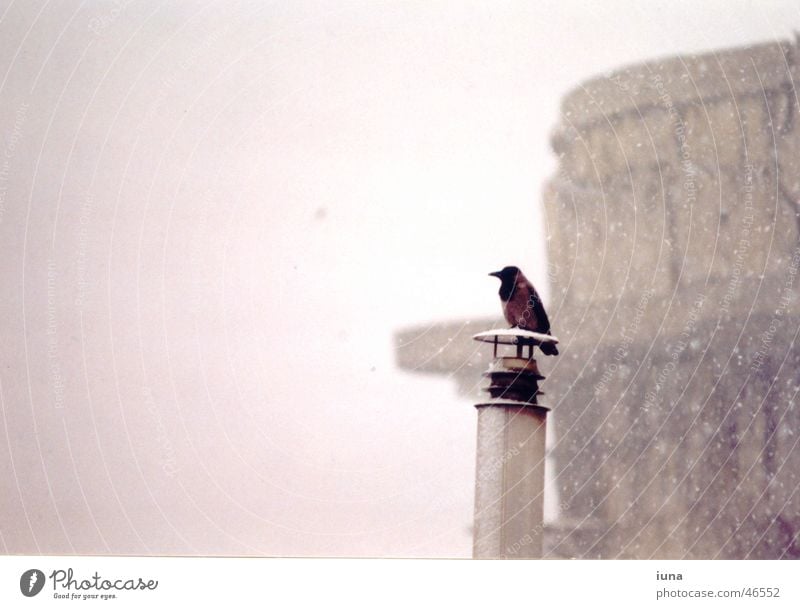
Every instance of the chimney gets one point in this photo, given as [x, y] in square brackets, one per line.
[509, 477]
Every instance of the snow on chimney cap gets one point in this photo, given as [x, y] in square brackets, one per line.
[514, 336]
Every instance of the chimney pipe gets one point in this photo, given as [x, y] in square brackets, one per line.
[509, 476]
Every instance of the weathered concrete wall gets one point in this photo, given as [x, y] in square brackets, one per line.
[674, 253]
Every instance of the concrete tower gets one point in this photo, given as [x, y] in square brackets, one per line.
[674, 253]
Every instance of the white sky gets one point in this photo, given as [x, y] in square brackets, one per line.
[275, 188]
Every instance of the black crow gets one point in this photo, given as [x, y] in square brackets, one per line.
[522, 306]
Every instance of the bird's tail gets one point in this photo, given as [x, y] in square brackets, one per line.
[549, 348]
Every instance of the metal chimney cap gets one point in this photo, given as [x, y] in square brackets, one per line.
[514, 336]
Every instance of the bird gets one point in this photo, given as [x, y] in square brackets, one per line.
[522, 305]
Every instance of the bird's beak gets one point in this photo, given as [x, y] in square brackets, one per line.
[495, 274]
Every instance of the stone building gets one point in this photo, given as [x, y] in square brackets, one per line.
[672, 230]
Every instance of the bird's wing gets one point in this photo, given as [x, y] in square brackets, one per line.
[538, 311]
